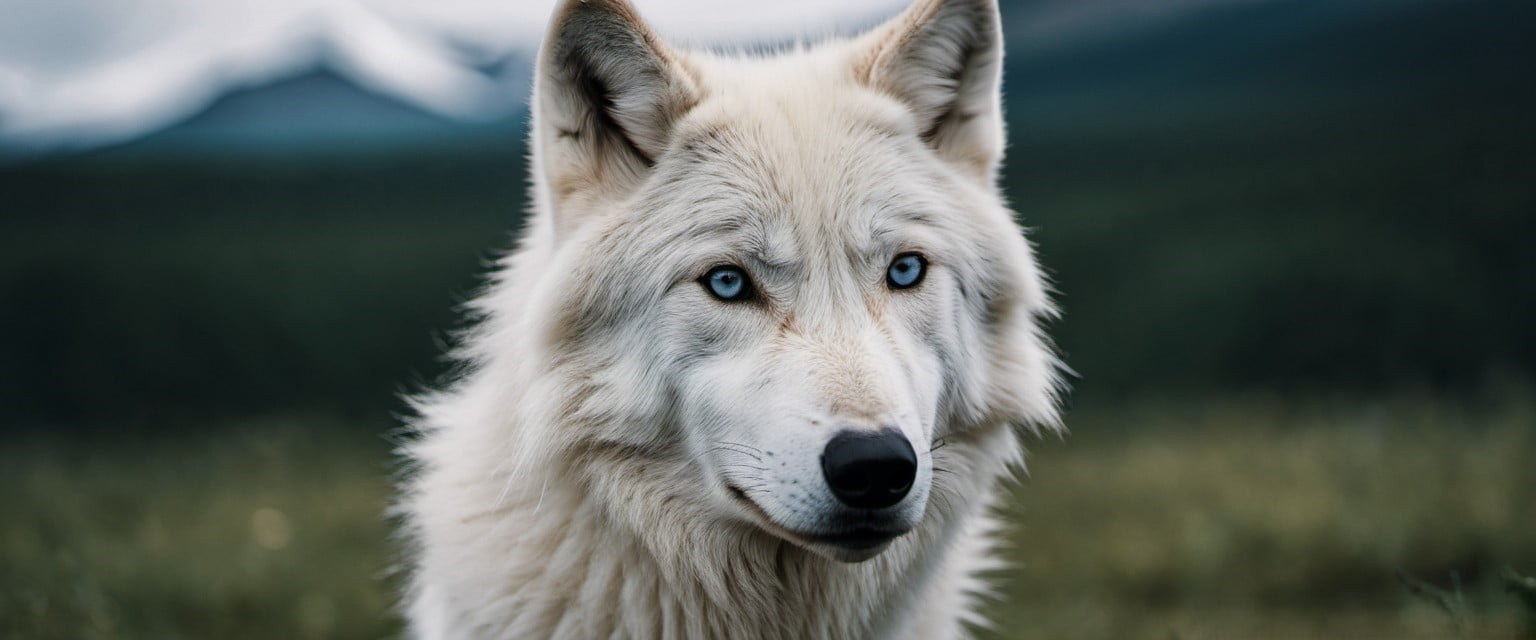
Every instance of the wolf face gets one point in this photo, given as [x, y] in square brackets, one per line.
[770, 314]
[770, 287]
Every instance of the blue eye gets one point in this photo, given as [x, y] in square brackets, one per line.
[906, 271]
[728, 283]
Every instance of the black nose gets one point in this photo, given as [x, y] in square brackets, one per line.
[869, 470]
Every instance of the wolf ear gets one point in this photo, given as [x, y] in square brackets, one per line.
[606, 96]
[944, 60]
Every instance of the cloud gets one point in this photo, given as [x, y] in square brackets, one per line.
[82, 73]
[79, 73]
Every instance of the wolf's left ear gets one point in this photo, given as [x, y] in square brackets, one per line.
[944, 59]
[606, 95]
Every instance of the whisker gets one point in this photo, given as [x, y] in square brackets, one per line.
[743, 466]
[744, 446]
[739, 453]
[727, 446]
[938, 444]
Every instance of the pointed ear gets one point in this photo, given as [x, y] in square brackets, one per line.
[944, 59]
[607, 92]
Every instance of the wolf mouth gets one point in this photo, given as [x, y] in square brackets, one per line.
[856, 538]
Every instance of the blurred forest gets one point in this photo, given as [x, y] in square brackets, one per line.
[1281, 196]
[1293, 242]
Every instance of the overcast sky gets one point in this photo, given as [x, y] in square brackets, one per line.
[95, 71]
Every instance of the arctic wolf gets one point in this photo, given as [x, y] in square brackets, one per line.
[755, 368]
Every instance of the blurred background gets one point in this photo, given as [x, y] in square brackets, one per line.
[1293, 240]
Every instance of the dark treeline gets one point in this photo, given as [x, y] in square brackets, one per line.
[1244, 202]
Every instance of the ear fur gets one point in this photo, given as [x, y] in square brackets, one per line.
[607, 94]
[944, 60]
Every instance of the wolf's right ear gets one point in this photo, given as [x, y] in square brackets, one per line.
[944, 59]
[606, 94]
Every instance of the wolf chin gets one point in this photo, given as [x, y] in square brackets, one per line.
[756, 368]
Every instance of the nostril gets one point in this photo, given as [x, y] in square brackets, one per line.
[869, 470]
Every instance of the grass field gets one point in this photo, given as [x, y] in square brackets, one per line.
[1258, 519]
[1244, 518]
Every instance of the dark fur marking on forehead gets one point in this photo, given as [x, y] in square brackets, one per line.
[741, 202]
[705, 140]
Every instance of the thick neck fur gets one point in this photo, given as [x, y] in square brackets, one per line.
[562, 553]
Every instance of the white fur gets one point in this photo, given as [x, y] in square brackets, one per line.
[575, 481]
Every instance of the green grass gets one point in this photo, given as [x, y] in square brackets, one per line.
[1258, 519]
[1239, 518]
[256, 530]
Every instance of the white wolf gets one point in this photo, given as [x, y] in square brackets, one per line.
[755, 368]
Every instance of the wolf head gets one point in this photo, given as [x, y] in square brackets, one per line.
[763, 290]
